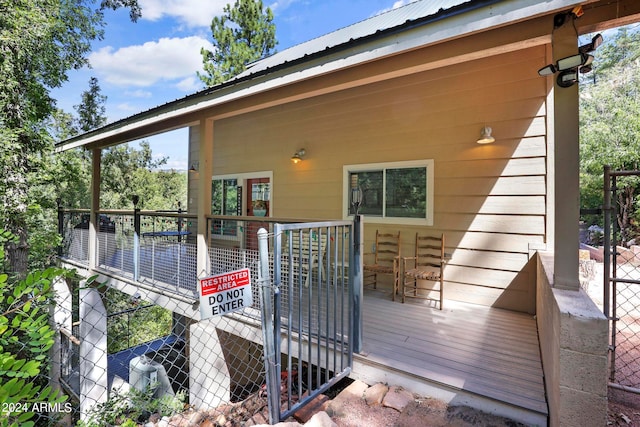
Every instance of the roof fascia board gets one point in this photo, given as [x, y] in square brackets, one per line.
[457, 26]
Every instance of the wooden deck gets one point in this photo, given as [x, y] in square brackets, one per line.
[485, 352]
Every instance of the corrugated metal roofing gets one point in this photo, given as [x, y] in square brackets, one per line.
[384, 21]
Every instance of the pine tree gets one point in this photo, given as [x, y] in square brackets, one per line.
[243, 34]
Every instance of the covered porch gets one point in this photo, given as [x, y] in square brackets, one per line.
[465, 354]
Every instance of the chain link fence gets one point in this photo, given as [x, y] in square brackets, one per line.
[621, 298]
[125, 358]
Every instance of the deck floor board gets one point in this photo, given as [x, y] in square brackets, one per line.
[481, 350]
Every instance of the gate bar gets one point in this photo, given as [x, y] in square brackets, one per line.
[272, 371]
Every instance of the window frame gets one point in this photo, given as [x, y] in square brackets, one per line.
[428, 164]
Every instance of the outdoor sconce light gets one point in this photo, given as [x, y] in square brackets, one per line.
[298, 155]
[194, 167]
[569, 67]
[485, 136]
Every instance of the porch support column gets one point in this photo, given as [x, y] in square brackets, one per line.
[95, 207]
[93, 350]
[567, 163]
[205, 170]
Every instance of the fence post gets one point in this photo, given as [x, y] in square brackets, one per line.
[268, 332]
[179, 222]
[60, 225]
[355, 280]
[136, 238]
[607, 238]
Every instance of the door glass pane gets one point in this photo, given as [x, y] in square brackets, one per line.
[406, 193]
[260, 198]
[224, 201]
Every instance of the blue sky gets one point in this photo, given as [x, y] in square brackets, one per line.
[145, 64]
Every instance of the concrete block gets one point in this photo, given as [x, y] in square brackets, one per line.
[580, 409]
[584, 372]
[583, 327]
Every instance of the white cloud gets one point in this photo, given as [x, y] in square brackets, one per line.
[190, 84]
[397, 4]
[280, 5]
[143, 65]
[138, 93]
[127, 108]
[193, 13]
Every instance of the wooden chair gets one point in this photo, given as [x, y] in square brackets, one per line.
[426, 266]
[385, 260]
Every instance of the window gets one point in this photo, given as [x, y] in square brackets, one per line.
[399, 192]
[225, 201]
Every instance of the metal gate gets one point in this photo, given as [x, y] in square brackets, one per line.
[310, 311]
[621, 303]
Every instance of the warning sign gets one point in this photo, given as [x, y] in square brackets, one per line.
[225, 293]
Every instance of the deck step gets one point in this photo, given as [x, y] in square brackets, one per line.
[372, 372]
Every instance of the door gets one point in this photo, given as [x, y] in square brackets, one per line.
[258, 204]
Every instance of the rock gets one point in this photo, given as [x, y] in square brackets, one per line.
[374, 394]
[355, 390]
[321, 419]
[397, 398]
[196, 418]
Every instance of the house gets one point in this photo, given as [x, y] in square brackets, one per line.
[411, 90]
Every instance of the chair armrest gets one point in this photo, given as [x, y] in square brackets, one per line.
[407, 258]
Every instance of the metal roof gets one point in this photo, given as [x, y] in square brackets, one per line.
[401, 16]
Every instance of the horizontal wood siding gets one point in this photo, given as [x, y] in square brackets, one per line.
[490, 201]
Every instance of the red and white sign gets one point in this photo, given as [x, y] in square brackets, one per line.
[225, 293]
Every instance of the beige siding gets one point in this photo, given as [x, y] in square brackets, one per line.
[489, 200]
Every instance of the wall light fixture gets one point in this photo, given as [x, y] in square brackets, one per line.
[298, 155]
[485, 136]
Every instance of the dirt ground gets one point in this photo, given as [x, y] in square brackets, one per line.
[624, 408]
[427, 412]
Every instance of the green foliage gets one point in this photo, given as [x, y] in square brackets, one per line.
[245, 33]
[133, 322]
[91, 111]
[610, 126]
[41, 42]
[25, 339]
[128, 408]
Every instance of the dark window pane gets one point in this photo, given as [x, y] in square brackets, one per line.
[406, 193]
[371, 186]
